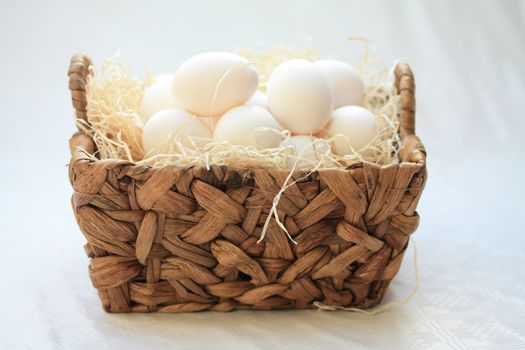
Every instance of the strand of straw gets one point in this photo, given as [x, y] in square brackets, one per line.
[284, 187]
[365, 58]
[221, 80]
[324, 307]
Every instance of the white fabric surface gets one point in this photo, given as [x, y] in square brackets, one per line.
[468, 58]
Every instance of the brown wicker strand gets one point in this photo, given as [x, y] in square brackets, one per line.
[404, 82]
[78, 73]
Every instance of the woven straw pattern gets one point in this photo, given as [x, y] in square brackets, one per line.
[175, 239]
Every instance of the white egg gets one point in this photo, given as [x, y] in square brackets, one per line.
[248, 126]
[258, 99]
[357, 124]
[300, 96]
[157, 96]
[348, 87]
[308, 152]
[164, 125]
[196, 82]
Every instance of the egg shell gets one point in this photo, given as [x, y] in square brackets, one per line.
[300, 96]
[196, 81]
[157, 96]
[168, 123]
[239, 126]
[309, 153]
[347, 85]
[359, 126]
[258, 99]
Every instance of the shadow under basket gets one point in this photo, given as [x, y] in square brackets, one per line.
[175, 239]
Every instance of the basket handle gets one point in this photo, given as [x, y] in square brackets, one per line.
[78, 75]
[406, 88]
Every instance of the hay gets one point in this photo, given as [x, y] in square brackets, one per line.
[115, 124]
[113, 110]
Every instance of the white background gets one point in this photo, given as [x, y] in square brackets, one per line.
[469, 62]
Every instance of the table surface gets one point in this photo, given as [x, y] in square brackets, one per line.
[468, 58]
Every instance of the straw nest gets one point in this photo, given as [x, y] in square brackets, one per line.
[114, 122]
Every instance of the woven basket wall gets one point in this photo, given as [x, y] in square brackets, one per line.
[177, 239]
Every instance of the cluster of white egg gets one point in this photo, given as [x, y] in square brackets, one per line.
[213, 97]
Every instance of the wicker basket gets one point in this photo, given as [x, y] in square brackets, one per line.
[178, 239]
